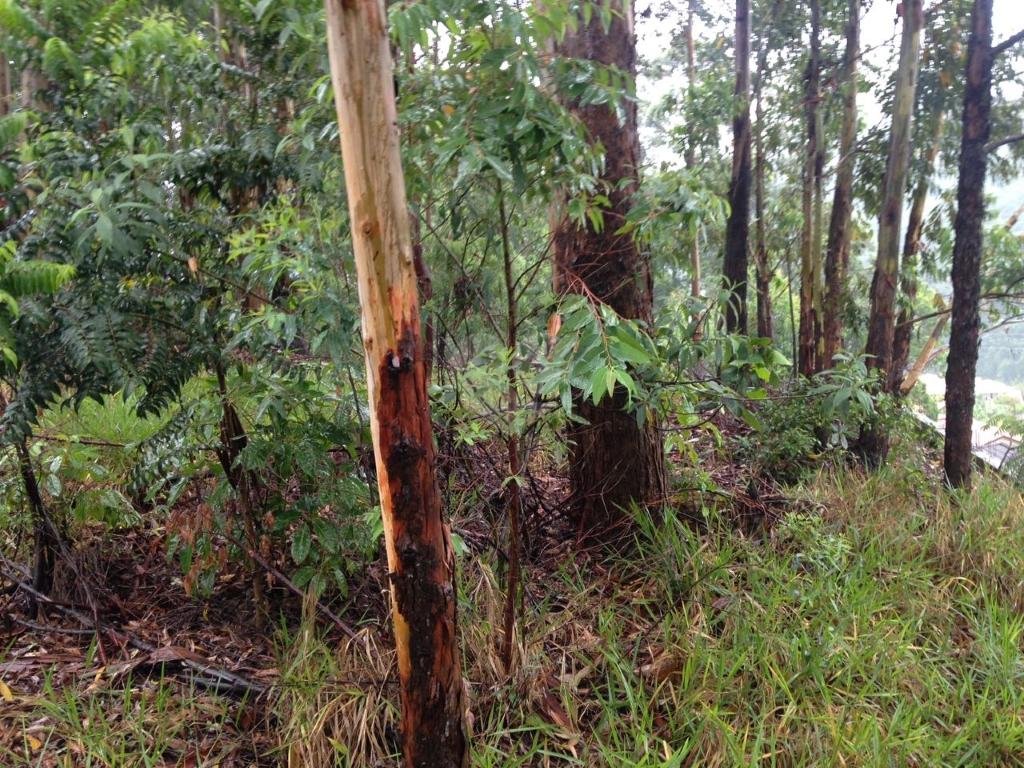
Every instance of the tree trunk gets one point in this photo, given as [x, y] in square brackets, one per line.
[513, 492]
[45, 534]
[737, 231]
[874, 442]
[882, 322]
[908, 269]
[764, 296]
[420, 557]
[837, 257]
[970, 216]
[690, 155]
[613, 462]
[809, 320]
[5, 85]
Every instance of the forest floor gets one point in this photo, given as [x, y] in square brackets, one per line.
[846, 620]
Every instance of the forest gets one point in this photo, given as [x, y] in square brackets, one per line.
[497, 383]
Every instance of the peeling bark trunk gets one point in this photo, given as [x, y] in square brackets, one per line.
[420, 557]
[737, 231]
[970, 216]
[614, 462]
[837, 257]
[908, 269]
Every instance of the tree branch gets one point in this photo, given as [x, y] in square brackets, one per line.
[1008, 43]
[1004, 141]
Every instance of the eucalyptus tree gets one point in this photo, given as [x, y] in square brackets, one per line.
[882, 322]
[837, 257]
[421, 560]
[615, 461]
[737, 231]
[967, 249]
[810, 238]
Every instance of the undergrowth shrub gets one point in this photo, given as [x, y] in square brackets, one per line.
[810, 421]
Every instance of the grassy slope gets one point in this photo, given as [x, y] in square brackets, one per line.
[878, 623]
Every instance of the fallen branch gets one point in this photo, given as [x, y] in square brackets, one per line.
[210, 677]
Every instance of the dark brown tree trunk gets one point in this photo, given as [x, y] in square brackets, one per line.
[737, 231]
[614, 462]
[809, 302]
[421, 560]
[908, 268]
[46, 537]
[970, 217]
[5, 85]
[837, 256]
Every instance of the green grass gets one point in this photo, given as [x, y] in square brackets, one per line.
[128, 723]
[879, 623]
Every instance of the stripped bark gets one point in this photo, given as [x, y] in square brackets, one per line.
[882, 323]
[420, 557]
[874, 441]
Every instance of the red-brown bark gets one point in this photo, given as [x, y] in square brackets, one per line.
[614, 462]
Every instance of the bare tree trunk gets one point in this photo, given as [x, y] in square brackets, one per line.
[513, 492]
[908, 269]
[614, 462]
[882, 321]
[809, 320]
[690, 155]
[837, 257]
[764, 296]
[970, 217]
[737, 231]
[420, 557]
[46, 537]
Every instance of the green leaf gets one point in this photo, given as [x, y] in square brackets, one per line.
[598, 384]
[301, 544]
